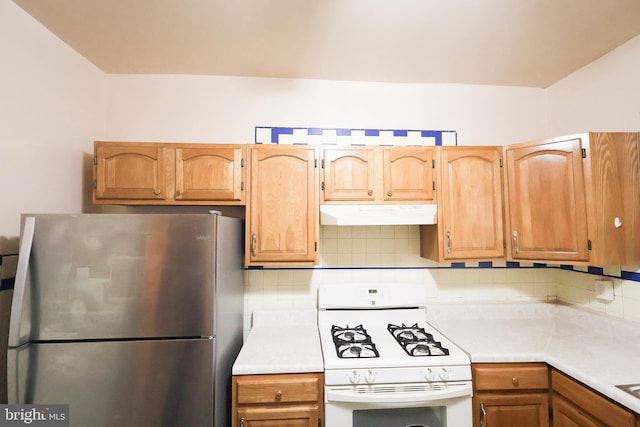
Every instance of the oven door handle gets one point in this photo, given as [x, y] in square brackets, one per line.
[351, 395]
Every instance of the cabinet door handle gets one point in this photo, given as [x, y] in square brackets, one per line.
[448, 238]
[370, 192]
[483, 416]
[242, 422]
[254, 244]
[178, 194]
[156, 191]
[389, 193]
[516, 244]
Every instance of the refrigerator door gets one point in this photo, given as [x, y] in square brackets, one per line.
[114, 276]
[150, 383]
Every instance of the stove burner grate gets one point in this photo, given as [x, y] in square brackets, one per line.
[415, 341]
[353, 342]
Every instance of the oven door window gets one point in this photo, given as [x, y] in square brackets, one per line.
[401, 417]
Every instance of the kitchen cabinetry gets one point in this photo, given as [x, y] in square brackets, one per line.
[277, 400]
[378, 174]
[470, 225]
[282, 213]
[574, 199]
[510, 394]
[577, 405]
[169, 174]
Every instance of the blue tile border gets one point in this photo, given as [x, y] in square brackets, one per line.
[348, 136]
[6, 284]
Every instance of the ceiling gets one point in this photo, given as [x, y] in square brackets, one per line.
[531, 43]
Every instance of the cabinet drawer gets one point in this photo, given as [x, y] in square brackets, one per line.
[277, 388]
[510, 376]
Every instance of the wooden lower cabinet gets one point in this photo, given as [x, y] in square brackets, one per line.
[577, 405]
[278, 400]
[510, 394]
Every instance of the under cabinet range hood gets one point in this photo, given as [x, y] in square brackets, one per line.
[378, 214]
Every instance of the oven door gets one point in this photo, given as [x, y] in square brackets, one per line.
[398, 405]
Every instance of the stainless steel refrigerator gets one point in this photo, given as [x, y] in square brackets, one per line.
[131, 319]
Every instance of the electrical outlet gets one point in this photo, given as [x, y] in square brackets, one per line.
[604, 290]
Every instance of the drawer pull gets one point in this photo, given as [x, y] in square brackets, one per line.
[278, 396]
[515, 381]
[483, 416]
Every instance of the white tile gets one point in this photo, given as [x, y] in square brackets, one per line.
[263, 135]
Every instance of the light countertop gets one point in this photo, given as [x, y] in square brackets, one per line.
[281, 342]
[598, 351]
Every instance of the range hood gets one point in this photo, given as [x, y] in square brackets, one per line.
[378, 214]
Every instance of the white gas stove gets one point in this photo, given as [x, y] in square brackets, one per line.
[379, 351]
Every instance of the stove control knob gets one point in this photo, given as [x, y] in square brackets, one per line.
[370, 378]
[428, 374]
[354, 377]
[444, 374]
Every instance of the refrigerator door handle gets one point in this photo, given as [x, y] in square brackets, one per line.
[21, 282]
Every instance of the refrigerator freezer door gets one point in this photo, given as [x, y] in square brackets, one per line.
[152, 383]
[112, 276]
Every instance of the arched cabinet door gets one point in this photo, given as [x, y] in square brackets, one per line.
[130, 171]
[546, 208]
[283, 212]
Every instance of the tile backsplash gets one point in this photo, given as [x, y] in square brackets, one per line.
[362, 254]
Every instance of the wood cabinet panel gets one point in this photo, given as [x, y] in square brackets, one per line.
[566, 414]
[278, 388]
[283, 213]
[349, 174]
[378, 175]
[547, 209]
[575, 199]
[277, 400]
[130, 171]
[470, 208]
[510, 376]
[508, 410]
[591, 402]
[169, 173]
[210, 173]
[408, 174]
[613, 174]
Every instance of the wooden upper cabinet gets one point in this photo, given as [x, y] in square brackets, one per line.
[378, 174]
[283, 212]
[470, 224]
[130, 171]
[575, 199]
[349, 174]
[547, 211]
[210, 173]
[169, 173]
[408, 174]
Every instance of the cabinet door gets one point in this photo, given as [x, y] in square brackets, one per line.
[566, 414]
[546, 202]
[349, 174]
[470, 200]
[130, 171]
[291, 416]
[508, 410]
[408, 174]
[283, 209]
[210, 173]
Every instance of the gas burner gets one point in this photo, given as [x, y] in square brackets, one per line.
[353, 342]
[357, 351]
[415, 341]
[357, 334]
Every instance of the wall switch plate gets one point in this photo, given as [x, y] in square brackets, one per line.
[604, 290]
